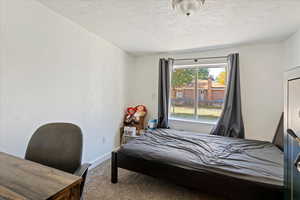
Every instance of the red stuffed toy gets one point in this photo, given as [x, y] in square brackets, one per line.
[129, 116]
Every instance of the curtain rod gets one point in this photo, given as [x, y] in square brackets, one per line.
[203, 58]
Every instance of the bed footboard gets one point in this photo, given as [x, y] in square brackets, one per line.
[203, 181]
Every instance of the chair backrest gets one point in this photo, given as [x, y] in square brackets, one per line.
[278, 137]
[57, 145]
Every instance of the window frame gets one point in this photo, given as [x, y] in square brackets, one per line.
[196, 66]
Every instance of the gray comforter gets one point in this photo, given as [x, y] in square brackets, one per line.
[251, 160]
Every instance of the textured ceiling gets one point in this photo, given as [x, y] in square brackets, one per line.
[151, 26]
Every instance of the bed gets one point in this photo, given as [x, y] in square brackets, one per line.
[234, 168]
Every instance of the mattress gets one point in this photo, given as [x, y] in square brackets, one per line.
[251, 160]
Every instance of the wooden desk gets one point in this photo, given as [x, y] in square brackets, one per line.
[25, 180]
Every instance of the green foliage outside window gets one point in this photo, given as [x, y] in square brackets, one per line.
[182, 77]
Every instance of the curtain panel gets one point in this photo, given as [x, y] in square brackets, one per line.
[165, 67]
[231, 123]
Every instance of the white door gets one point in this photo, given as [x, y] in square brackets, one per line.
[294, 105]
[292, 148]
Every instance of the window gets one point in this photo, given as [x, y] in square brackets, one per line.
[198, 92]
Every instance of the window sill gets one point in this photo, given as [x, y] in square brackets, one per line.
[192, 121]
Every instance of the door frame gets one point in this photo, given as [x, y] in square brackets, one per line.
[289, 75]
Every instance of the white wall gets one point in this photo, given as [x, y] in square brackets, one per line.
[54, 70]
[261, 68]
[292, 51]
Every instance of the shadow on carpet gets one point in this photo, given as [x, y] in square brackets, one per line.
[134, 186]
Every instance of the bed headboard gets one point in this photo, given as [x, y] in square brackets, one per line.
[278, 137]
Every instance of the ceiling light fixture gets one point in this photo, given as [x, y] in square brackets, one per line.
[187, 7]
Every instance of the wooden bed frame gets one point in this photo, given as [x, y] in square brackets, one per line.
[227, 186]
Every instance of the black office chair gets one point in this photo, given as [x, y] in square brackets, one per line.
[58, 145]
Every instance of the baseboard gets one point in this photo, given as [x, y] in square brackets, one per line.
[100, 160]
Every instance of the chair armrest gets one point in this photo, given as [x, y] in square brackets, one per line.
[82, 170]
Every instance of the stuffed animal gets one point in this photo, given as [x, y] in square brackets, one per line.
[141, 111]
[129, 116]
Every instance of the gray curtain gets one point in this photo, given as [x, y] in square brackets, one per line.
[163, 92]
[231, 123]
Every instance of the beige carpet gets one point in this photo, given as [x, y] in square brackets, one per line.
[134, 186]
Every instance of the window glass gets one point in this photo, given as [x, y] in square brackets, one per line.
[183, 93]
[197, 93]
